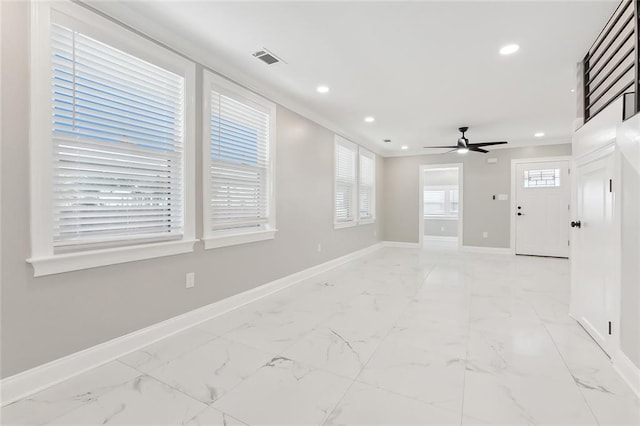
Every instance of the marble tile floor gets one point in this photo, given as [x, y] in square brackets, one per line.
[400, 337]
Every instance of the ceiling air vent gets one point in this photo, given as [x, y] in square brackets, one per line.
[267, 57]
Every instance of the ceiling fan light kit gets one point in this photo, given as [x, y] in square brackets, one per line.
[464, 146]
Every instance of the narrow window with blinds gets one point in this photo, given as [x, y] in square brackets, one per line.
[112, 162]
[117, 144]
[238, 165]
[345, 202]
[367, 185]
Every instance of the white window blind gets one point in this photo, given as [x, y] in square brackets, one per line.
[345, 181]
[239, 168]
[367, 184]
[118, 136]
[434, 202]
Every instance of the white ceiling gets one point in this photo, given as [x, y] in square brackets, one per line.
[422, 69]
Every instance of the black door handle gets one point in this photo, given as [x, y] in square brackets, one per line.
[576, 224]
[519, 214]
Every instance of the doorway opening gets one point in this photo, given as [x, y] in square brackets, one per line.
[441, 206]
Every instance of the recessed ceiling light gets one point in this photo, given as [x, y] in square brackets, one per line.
[573, 90]
[509, 49]
[404, 147]
[539, 134]
[322, 89]
[369, 119]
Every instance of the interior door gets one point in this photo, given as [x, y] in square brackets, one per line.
[592, 265]
[543, 194]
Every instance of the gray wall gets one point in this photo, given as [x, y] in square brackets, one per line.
[441, 177]
[53, 316]
[481, 181]
[440, 228]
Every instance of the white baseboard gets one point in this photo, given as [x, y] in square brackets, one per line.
[399, 244]
[439, 238]
[487, 250]
[28, 382]
[629, 372]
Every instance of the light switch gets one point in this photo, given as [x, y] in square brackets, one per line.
[503, 197]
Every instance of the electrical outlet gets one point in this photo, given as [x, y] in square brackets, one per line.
[191, 280]
[319, 247]
[485, 234]
[375, 232]
[442, 229]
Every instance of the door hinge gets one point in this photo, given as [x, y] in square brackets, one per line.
[568, 206]
[609, 328]
[610, 185]
[568, 242]
[569, 171]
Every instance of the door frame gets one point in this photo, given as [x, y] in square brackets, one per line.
[421, 170]
[612, 349]
[512, 210]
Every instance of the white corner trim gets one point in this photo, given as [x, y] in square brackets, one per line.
[487, 250]
[439, 238]
[629, 372]
[91, 259]
[238, 238]
[22, 384]
[400, 244]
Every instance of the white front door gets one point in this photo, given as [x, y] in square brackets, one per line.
[543, 194]
[592, 263]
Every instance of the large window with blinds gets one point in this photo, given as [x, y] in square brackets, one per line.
[345, 202]
[366, 186]
[354, 184]
[239, 140]
[111, 138]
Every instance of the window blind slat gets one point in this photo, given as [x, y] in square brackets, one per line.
[67, 78]
[110, 61]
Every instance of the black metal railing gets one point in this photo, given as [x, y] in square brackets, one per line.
[610, 67]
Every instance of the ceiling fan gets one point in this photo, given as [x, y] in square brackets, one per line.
[464, 146]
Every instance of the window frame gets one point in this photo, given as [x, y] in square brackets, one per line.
[526, 178]
[44, 259]
[366, 153]
[222, 238]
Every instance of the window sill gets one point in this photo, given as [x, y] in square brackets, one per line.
[441, 217]
[340, 225]
[92, 259]
[367, 221]
[235, 238]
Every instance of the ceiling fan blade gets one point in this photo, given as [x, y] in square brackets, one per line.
[487, 143]
[447, 152]
[476, 149]
[448, 146]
